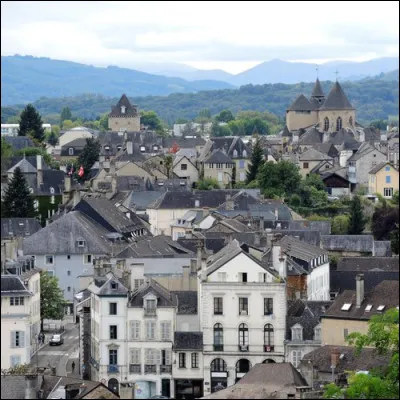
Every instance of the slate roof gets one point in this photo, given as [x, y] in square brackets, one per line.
[130, 110]
[311, 137]
[385, 293]
[109, 285]
[217, 156]
[367, 360]
[212, 245]
[229, 144]
[18, 142]
[324, 227]
[19, 227]
[187, 302]
[364, 149]
[165, 298]
[135, 183]
[13, 386]
[301, 104]
[380, 166]
[314, 155]
[363, 264]
[312, 237]
[327, 148]
[285, 132]
[307, 314]
[61, 236]
[31, 159]
[336, 99]
[141, 200]
[298, 249]
[358, 243]
[188, 341]
[241, 201]
[183, 142]
[382, 248]
[12, 285]
[317, 90]
[25, 166]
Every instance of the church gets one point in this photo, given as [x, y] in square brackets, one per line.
[328, 114]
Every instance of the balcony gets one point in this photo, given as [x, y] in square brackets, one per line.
[218, 347]
[113, 369]
[94, 363]
[165, 369]
[135, 368]
[243, 347]
[268, 349]
[150, 312]
[150, 369]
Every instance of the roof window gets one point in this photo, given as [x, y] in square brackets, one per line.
[381, 308]
[346, 307]
[368, 308]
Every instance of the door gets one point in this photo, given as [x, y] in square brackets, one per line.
[165, 387]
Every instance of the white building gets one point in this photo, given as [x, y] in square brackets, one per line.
[12, 129]
[20, 317]
[242, 308]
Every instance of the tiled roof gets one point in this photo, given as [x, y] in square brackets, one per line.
[314, 155]
[380, 166]
[19, 227]
[317, 90]
[336, 99]
[363, 264]
[298, 249]
[12, 285]
[25, 166]
[130, 111]
[142, 199]
[311, 137]
[301, 104]
[18, 142]
[188, 341]
[218, 157]
[165, 298]
[359, 243]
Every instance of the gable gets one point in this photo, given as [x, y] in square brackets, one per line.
[130, 169]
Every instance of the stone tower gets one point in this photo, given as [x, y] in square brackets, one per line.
[124, 116]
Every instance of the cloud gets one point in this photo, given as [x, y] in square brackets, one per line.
[122, 33]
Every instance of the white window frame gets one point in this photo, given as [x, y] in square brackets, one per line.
[388, 192]
[49, 263]
[296, 356]
[81, 243]
[297, 333]
[85, 261]
[71, 151]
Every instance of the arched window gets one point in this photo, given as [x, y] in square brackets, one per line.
[351, 121]
[244, 154]
[268, 338]
[326, 124]
[242, 368]
[339, 124]
[243, 337]
[218, 365]
[235, 153]
[218, 337]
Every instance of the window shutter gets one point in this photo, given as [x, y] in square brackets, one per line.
[153, 330]
[260, 277]
[135, 330]
[168, 357]
[21, 339]
[157, 356]
[168, 331]
[148, 354]
[13, 339]
[135, 356]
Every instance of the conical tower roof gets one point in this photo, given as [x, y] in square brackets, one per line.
[301, 104]
[317, 90]
[336, 99]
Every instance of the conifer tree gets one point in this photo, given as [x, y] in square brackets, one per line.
[256, 161]
[30, 123]
[357, 220]
[90, 154]
[18, 201]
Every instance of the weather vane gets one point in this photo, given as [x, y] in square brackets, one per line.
[337, 72]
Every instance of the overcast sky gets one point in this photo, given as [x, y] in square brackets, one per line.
[232, 36]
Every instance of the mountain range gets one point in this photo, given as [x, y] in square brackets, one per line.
[25, 79]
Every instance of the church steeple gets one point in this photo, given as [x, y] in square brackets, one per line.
[317, 95]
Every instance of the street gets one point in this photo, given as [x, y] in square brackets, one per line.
[60, 356]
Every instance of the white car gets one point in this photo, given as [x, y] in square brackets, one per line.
[56, 340]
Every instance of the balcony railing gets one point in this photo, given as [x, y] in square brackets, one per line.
[93, 362]
[268, 349]
[150, 369]
[243, 347]
[135, 368]
[165, 369]
[218, 347]
[113, 369]
[150, 312]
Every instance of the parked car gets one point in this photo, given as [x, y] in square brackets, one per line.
[56, 340]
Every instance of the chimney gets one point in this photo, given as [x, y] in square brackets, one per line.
[229, 203]
[359, 289]
[76, 198]
[67, 183]
[193, 266]
[186, 278]
[30, 386]
[257, 239]
[261, 224]
[39, 162]
[335, 354]
[199, 255]
[129, 147]
[295, 137]
[325, 137]
[203, 270]
[112, 167]
[384, 136]
[206, 211]
[276, 214]
[39, 169]
[362, 136]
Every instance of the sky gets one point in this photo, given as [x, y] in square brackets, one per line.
[232, 36]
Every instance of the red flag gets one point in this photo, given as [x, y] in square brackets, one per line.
[81, 171]
[71, 171]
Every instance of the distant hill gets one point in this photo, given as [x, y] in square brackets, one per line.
[26, 79]
[390, 76]
[374, 98]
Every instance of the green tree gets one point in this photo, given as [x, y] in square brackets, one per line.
[151, 120]
[225, 116]
[6, 153]
[205, 113]
[31, 124]
[18, 201]
[256, 161]
[207, 184]
[103, 122]
[233, 178]
[168, 164]
[237, 127]
[394, 240]
[314, 180]
[65, 114]
[385, 220]
[383, 335]
[89, 155]
[340, 225]
[357, 220]
[35, 151]
[52, 138]
[51, 298]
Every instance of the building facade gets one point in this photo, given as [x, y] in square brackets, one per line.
[124, 116]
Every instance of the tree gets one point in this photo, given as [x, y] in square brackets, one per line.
[383, 335]
[225, 116]
[315, 180]
[256, 161]
[18, 201]
[51, 298]
[205, 113]
[90, 154]
[65, 114]
[207, 184]
[357, 220]
[340, 225]
[168, 164]
[151, 120]
[31, 123]
[189, 129]
[385, 220]
[52, 138]
[233, 177]
[6, 153]
[103, 122]
[394, 240]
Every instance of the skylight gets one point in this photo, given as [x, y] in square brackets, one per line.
[368, 308]
[380, 308]
[346, 307]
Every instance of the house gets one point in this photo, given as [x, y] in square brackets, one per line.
[352, 309]
[329, 364]
[311, 158]
[185, 225]
[66, 248]
[20, 315]
[80, 132]
[71, 150]
[184, 168]
[19, 142]
[268, 381]
[124, 116]
[13, 129]
[219, 166]
[303, 328]
[174, 144]
[383, 179]
[336, 182]
[242, 307]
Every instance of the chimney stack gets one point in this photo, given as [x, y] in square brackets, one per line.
[203, 270]
[199, 255]
[276, 214]
[129, 147]
[76, 198]
[30, 386]
[186, 278]
[261, 224]
[335, 354]
[67, 183]
[39, 170]
[359, 290]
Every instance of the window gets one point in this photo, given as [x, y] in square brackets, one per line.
[87, 259]
[15, 360]
[17, 301]
[150, 330]
[339, 124]
[183, 167]
[218, 337]
[221, 276]
[326, 124]
[297, 333]
[138, 283]
[69, 273]
[243, 306]
[317, 334]
[243, 276]
[242, 176]
[388, 179]
[165, 357]
[81, 243]
[165, 330]
[52, 190]
[134, 330]
[113, 357]
[17, 339]
[235, 153]
[305, 165]
[220, 176]
[123, 108]
[388, 192]
[218, 365]
[182, 360]
[244, 154]
[268, 306]
[243, 335]
[150, 307]
[113, 308]
[49, 260]
[351, 121]
[195, 360]
[68, 288]
[345, 333]
[114, 285]
[135, 357]
[71, 151]
[296, 357]
[242, 164]
[269, 337]
[113, 331]
[387, 168]
[218, 306]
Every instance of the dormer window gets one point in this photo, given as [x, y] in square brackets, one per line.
[114, 285]
[123, 109]
[142, 149]
[81, 243]
[150, 306]
[235, 153]
[297, 332]
[155, 148]
[107, 148]
[244, 153]
[52, 190]
[71, 151]
[317, 333]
